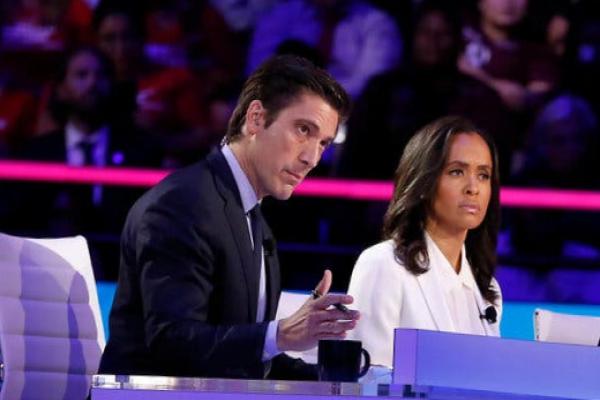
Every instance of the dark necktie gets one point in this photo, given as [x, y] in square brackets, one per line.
[84, 194]
[87, 148]
[256, 220]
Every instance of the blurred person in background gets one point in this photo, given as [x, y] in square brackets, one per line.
[354, 40]
[562, 152]
[91, 134]
[521, 73]
[397, 103]
[166, 101]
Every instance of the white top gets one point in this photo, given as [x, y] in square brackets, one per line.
[458, 289]
[389, 296]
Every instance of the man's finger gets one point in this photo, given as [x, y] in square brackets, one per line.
[330, 299]
[325, 283]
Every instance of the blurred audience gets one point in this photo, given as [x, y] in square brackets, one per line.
[562, 152]
[522, 73]
[90, 135]
[354, 40]
[165, 101]
[396, 104]
[46, 24]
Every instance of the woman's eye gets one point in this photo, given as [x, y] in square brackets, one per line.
[455, 172]
[484, 177]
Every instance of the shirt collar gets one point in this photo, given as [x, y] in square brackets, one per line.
[75, 136]
[247, 193]
[465, 275]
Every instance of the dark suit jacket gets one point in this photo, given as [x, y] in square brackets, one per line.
[188, 285]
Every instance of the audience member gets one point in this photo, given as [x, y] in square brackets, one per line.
[355, 39]
[520, 72]
[562, 153]
[397, 103]
[90, 136]
[166, 101]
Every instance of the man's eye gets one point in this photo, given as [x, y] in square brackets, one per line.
[304, 129]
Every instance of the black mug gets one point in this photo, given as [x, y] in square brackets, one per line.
[339, 360]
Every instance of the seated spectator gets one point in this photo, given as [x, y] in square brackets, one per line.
[395, 104]
[522, 73]
[89, 136]
[166, 102]
[562, 153]
[356, 40]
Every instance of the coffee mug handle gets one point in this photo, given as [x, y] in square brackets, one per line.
[365, 368]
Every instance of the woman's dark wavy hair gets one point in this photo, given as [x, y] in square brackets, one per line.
[415, 186]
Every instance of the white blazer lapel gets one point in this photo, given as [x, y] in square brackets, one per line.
[434, 297]
[432, 290]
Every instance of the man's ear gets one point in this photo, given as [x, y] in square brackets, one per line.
[255, 117]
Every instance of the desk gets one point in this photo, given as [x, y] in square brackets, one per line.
[111, 387]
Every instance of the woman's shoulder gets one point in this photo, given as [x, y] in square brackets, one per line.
[380, 255]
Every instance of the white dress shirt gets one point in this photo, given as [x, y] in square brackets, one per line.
[75, 156]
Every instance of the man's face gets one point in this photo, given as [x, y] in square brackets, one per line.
[86, 87]
[281, 155]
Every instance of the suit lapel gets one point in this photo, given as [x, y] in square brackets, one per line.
[432, 291]
[272, 272]
[236, 218]
[434, 298]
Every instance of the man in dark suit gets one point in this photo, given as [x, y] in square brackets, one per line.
[199, 279]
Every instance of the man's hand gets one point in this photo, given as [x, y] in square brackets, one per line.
[316, 319]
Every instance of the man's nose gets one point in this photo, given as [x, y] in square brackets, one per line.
[311, 154]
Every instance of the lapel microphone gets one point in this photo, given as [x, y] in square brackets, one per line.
[490, 315]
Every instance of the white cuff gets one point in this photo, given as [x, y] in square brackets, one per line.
[270, 349]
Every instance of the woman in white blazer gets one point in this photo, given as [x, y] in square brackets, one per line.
[435, 269]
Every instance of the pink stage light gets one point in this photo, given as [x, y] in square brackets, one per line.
[315, 187]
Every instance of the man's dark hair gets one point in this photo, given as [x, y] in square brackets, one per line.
[280, 81]
[415, 187]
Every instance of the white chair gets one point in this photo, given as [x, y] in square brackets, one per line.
[555, 327]
[51, 333]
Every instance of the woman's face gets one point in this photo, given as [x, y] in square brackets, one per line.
[464, 187]
[434, 40]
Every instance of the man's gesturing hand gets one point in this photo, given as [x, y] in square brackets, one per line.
[317, 319]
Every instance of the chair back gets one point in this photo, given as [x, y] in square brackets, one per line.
[556, 327]
[51, 333]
